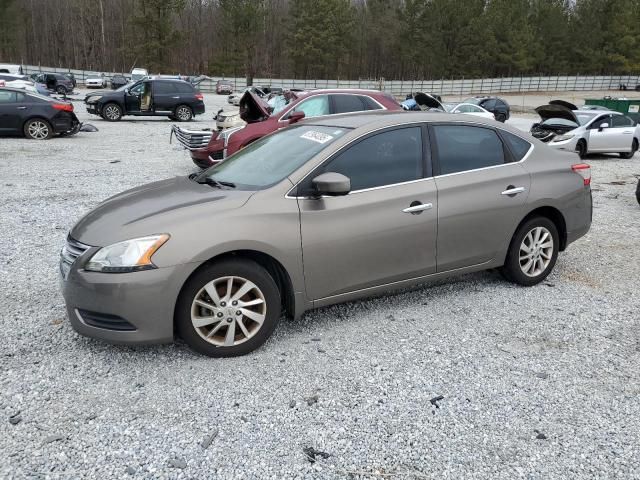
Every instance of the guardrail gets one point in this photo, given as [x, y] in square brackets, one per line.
[400, 88]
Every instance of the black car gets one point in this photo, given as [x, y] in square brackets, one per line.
[35, 116]
[57, 82]
[118, 81]
[176, 99]
[496, 105]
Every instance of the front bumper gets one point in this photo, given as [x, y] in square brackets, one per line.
[94, 109]
[124, 308]
[66, 123]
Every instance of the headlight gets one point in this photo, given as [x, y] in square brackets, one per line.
[94, 99]
[128, 256]
[226, 134]
[562, 138]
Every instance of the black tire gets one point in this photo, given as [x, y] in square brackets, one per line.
[112, 112]
[634, 149]
[638, 192]
[183, 113]
[581, 148]
[501, 117]
[172, 117]
[512, 269]
[61, 89]
[241, 269]
[37, 129]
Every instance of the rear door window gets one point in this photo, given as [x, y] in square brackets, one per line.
[164, 87]
[7, 96]
[347, 103]
[621, 121]
[184, 88]
[463, 147]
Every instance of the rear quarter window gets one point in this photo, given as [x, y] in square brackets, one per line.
[518, 146]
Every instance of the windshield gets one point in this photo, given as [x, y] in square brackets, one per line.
[274, 157]
[563, 122]
[277, 103]
[585, 118]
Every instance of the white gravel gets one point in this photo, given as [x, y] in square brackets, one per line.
[536, 383]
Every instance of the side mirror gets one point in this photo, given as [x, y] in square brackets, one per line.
[603, 126]
[295, 117]
[332, 184]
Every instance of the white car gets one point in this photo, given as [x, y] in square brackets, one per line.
[226, 120]
[138, 74]
[234, 98]
[17, 81]
[586, 131]
[469, 109]
[96, 81]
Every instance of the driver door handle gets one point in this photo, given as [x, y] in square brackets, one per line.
[418, 208]
[511, 190]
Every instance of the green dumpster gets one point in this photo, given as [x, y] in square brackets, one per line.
[630, 107]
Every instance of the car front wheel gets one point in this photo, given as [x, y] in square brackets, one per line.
[112, 112]
[228, 308]
[532, 253]
[38, 129]
[61, 89]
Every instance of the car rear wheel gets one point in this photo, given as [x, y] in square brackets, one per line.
[228, 308]
[532, 253]
[634, 149]
[38, 129]
[112, 112]
[183, 113]
[581, 149]
[501, 117]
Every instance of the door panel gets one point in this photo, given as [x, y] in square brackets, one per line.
[365, 238]
[165, 97]
[11, 112]
[474, 218]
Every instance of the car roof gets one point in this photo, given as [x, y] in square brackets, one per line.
[373, 120]
[595, 113]
[355, 91]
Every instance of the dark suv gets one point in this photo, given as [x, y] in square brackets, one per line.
[57, 82]
[496, 105]
[176, 99]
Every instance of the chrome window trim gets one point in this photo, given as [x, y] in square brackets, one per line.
[524, 158]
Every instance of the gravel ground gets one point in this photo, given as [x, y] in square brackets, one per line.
[533, 383]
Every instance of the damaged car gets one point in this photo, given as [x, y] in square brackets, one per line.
[208, 148]
[423, 102]
[234, 98]
[565, 127]
[35, 116]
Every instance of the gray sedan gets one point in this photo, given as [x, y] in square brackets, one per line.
[326, 211]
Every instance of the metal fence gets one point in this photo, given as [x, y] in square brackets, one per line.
[400, 88]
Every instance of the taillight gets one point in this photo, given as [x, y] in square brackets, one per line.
[2, 83]
[65, 107]
[199, 96]
[584, 170]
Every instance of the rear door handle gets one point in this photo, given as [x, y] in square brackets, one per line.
[627, 132]
[21, 108]
[511, 190]
[175, 97]
[418, 207]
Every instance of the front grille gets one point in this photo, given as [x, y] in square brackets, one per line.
[105, 320]
[192, 139]
[70, 252]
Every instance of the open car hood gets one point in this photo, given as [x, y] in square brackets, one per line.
[556, 111]
[253, 108]
[563, 103]
[428, 101]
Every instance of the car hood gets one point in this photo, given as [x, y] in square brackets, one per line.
[154, 208]
[253, 108]
[563, 103]
[96, 93]
[426, 100]
[556, 111]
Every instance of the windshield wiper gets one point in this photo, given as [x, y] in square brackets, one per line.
[216, 183]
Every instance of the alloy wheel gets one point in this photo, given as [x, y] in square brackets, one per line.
[536, 251]
[38, 130]
[183, 113]
[228, 311]
[112, 112]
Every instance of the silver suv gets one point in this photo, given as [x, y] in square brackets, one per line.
[326, 211]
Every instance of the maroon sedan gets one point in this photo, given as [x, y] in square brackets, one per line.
[263, 117]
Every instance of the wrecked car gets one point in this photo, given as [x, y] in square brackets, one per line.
[234, 98]
[264, 117]
[565, 127]
[423, 102]
[228, 120]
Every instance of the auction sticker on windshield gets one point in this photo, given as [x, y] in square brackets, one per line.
[317, 136]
